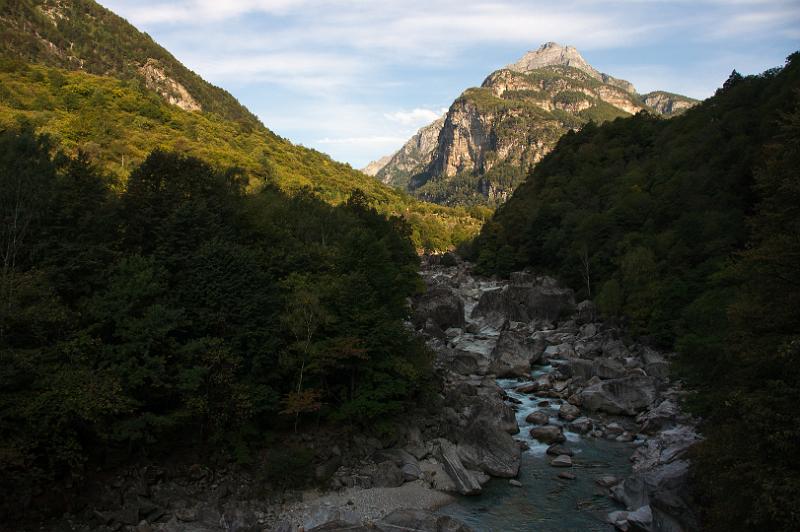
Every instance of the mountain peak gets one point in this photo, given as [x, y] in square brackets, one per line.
[553, 54]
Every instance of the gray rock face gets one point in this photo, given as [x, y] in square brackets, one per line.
[514, 353]
[411, 159]
[660, 417]
[442, 307]
[668, 104]
[463, 479]
[545, 300]
[491, 451]
[661, 473]
[627, 396]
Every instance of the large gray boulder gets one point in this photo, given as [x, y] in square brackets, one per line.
[628, 396]
[514, 353]
[464, 480]
[660, 481]
[486, 449]
[548, 434]
[540, 298]
[442, 307]
[662, 416]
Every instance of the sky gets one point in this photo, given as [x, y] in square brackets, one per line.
[356, 78]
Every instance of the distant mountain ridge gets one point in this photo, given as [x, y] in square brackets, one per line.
[492, 135]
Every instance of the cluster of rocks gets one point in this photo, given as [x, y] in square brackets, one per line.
[611, 387]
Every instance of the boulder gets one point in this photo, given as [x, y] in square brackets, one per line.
[548, 434]
[528, 388]
[541, 299]
[608, 369]
[607, 481]
[487, 449]
[561, 461]
[558, 449]
[660, 480]
[493, 411]
[569, 412]
[463, 480]
[660, 417]
[514, 353]
[440, 305]
[538, 417]
[410, 472]
[627, 396]
[582, 425]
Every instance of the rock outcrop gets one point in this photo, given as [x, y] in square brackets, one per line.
[376, 166]
[157, 80]
[667, 103]
[413, 158]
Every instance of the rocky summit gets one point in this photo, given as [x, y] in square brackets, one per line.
[494, 134]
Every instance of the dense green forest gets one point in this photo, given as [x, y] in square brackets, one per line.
[689, 230]
[176, 312]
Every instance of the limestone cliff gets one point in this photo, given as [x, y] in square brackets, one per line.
[157, 80]
[668, 104]
[413, 158]
[374, 167]
[493, 134]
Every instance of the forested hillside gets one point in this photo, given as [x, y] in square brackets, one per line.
[688, 230]
[96, 84]
[83, 35]
[178, 312]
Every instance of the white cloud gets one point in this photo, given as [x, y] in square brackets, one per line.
[308, 71]
[415, 117]
[364, 140]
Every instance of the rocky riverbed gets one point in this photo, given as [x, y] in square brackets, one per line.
[532, 383]
[545, 419]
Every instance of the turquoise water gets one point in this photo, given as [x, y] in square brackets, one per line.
[546, 503]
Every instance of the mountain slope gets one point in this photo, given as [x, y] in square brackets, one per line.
[688, 228]
[128, 96]
[493, 134]
[82, 35]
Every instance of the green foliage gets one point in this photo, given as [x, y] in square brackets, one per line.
[118, 134]
[82, 35]
[183, 312]
[691, 231]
